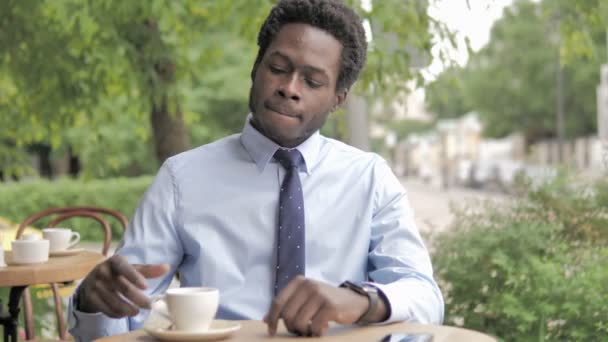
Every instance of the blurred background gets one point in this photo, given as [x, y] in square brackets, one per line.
[494, 113]
[455, 92]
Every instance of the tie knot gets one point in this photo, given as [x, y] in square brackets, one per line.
[289, 158]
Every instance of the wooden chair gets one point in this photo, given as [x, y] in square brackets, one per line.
[62, 214]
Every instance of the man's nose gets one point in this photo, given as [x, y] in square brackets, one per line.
[289, 89]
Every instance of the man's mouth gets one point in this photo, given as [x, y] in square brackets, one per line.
[282, 111]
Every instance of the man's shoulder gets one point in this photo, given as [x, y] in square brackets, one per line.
[342, 151]
[206, 155]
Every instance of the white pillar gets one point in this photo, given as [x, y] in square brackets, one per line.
[358, 127]
[602, 105]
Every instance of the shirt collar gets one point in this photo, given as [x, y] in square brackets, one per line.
[261, 149]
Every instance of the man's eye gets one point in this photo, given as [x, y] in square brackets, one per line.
[276, 70]
[313, 83]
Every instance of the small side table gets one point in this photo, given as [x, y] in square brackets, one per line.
[55, 270]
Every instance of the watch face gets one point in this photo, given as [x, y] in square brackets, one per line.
[367, 288]
[370, 288]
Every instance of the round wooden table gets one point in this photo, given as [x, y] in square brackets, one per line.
[55, 270]
[252, 331]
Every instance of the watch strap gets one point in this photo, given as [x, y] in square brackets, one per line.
[372, 295]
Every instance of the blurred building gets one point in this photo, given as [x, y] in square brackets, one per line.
[455, 153]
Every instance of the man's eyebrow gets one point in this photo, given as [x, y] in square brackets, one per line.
[280, 55]
[315, 70]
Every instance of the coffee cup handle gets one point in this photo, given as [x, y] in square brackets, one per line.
[75, 239]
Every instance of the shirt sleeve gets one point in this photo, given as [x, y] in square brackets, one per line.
[399, 263]
[151, 238]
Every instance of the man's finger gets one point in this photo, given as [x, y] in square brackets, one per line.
[103, 272]
[279, 302]
[102, 307]
[152, 271]
[302, 320]
[304, 293]
[132, 293]
[320, 322]
[116, 306]
[120, 266]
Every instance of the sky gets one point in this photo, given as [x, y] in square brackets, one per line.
[466, 18]
[472, 19]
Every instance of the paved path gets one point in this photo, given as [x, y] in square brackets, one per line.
[432, 205]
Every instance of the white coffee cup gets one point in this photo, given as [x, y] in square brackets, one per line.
[30, 251]
[190, 309]
[61, 238]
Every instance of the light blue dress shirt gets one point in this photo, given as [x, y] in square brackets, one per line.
[211, 214]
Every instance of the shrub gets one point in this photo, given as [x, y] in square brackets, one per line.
[533, 269]
[19, 200]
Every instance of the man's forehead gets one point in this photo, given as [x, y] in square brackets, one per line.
[302, 33]
[303, 40]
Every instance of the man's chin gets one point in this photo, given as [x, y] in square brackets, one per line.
[283, 130]
[291, 139]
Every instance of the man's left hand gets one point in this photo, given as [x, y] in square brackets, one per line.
[307, 306]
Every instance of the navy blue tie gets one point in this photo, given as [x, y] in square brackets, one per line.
[291, 254]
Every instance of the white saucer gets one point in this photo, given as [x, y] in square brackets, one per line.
[220, 329]
[66, 252]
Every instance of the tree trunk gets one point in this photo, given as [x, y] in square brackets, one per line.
[45, 168]
[169, 131]
[75, 166]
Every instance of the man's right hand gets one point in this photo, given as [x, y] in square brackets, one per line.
[115, 287]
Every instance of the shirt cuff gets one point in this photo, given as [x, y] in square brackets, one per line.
[413, 301]
[390, 295]
[90, 326]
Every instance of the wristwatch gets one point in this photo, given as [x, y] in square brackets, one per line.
[371, 293]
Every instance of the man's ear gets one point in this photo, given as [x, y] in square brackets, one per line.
[340, 99]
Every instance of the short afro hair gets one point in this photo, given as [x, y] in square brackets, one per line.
[332, 16]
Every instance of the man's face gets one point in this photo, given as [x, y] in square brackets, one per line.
[294, 87]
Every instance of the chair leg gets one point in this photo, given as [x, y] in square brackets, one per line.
[28, 315]
[59, 312]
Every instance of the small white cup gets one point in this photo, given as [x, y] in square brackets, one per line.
[60, 238]
[30, 251]
[30, 236]
[190, 309]
[2, 263]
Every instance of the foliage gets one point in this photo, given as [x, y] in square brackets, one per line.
[406, 127]
[19, 200]
[579, 23]
[532, 269]
[446, 96]
[512, 81]
[91, 67]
